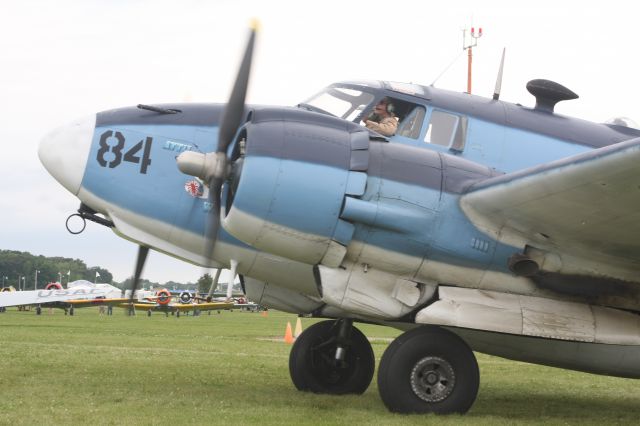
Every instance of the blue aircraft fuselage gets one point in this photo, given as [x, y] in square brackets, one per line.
[131, 176]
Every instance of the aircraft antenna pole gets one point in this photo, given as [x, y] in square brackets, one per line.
[468, 45]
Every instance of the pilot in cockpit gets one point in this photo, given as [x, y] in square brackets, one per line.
[382, 119]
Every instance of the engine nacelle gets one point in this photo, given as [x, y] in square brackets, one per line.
[291, 183]
[303, 184]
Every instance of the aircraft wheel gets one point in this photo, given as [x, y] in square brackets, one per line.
[428, 370]
[38, 310]
[178, 314]
[313, 366]
[149, 313]
[71, 310]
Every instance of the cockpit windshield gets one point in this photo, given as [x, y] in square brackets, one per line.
[341, 102]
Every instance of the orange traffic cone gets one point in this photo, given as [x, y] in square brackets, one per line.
[288, 337]
[298, 330]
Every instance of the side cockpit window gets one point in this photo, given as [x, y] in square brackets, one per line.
[447, 130]
[411, 125]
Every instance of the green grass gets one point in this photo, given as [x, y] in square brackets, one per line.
[230, 369]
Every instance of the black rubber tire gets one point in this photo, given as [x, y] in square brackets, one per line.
[408, 352]
[311, 367]
[71, 311]
[149, 313]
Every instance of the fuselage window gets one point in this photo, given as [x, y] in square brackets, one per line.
[447, 130]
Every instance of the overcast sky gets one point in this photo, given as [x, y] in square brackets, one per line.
[66, 59]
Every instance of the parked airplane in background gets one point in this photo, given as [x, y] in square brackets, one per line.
[78, 294]
[479, 225]
[164, 303]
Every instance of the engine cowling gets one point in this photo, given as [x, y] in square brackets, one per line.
[185, 297]
[289, 185]
[163, 297]
[53, 286]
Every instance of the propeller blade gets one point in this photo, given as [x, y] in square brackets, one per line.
[142, 257]
[213, 217]
[218, 171]
[214, 285]
[234, 111]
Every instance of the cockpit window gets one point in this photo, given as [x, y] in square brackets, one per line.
[340, 102]
[411, 125]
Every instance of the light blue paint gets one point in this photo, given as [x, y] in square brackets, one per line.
[500, 147]
[274, 189]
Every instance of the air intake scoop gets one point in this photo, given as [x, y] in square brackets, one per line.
[548, 93]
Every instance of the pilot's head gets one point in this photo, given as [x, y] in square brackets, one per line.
[384, 108]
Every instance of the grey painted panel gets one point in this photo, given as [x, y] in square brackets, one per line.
[191, 115]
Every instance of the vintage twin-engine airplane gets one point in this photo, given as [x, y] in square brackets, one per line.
[480, 225]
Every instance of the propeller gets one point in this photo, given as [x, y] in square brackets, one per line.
[214, 168]
[142, 257]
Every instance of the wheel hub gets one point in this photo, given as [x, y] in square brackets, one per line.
[432, 379]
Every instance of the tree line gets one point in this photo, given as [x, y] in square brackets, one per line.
[18, 269]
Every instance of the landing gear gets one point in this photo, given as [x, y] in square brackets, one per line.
[149, 313]
[38, 310]
[332, 357]
[428, 370]
[71, 311]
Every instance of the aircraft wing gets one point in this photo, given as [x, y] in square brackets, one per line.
[209, 306]
[35, 297]
[83, 303]
[212, 306]
[587, 204]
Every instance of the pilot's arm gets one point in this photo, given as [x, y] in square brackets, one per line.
[386, 127]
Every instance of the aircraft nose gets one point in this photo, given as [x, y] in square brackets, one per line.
[65, 150]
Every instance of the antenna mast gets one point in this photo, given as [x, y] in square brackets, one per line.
[468, 43]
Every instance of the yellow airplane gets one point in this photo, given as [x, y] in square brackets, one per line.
[162, 302]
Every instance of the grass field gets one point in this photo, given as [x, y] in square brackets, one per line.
[232, 368]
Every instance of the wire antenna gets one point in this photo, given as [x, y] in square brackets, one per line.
[447, 68]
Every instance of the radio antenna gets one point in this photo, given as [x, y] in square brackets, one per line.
[468, 46]
[496, 92]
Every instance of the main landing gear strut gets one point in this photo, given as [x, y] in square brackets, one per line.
[425, 370]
